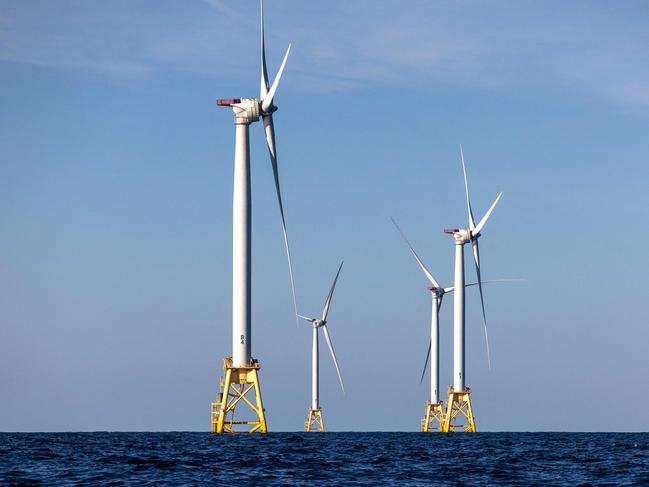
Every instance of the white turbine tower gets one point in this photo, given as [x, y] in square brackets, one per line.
[241, 370]
[434, 411]
[459, 400]
[314, 420]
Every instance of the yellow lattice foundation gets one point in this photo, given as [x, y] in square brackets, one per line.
[459, 413]
[314, 421]
[433, 417]
[239, 387]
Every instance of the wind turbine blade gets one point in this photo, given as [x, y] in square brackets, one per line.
[263, 90]
[325, 310]
[268, 99]
[310, 320]
[466, 189]
[270, 141]
[423, 372]
[449, 289]
[476, 256]
[333, 355]
[492, 280]
[421, 264]
[477, 229]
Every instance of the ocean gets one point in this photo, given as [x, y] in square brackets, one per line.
[175, 458]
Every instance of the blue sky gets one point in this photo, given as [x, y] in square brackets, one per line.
[115, 208]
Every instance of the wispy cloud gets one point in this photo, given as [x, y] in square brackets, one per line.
[595, 47]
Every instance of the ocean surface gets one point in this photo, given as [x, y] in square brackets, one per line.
[324, 459]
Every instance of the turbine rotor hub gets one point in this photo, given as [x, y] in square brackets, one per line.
[270, 110]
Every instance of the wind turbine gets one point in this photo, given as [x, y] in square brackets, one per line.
[459, 400]
[240, 370]
[314, 420]
[434, 411]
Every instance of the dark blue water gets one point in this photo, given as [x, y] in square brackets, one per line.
[325, 459]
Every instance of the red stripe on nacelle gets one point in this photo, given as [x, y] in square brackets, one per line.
[228, 102]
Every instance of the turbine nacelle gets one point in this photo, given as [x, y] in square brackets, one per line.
[246, 110]
[437, 291]
[316, 322]
[461, 235]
